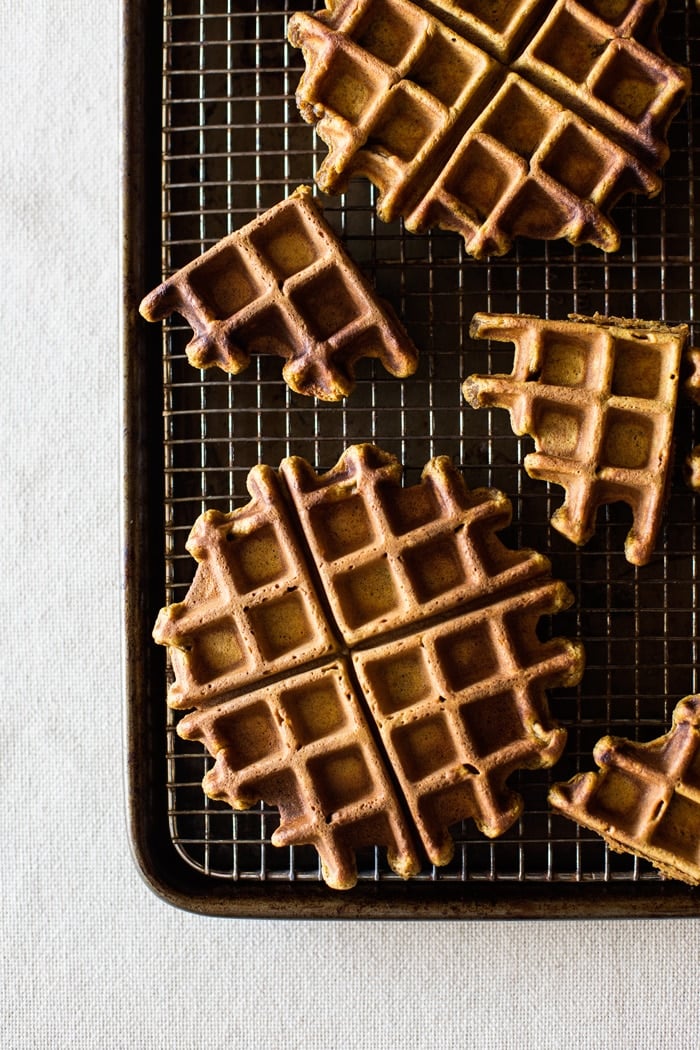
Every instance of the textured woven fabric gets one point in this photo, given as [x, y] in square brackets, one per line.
[90, 957]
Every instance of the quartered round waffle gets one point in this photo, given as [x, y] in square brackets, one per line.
[365, 657]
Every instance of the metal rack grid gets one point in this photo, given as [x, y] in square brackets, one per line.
[234, 145]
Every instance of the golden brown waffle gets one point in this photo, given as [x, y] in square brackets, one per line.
[389, 556]
[598, 396]
[302, 744]
[252, 609]
[284, 285]
[645, 799]
[460, 706]
[410, 621]
[496, 120]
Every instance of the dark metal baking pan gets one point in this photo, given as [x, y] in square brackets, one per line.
[212, 138]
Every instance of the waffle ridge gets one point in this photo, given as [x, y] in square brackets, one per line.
[252, 609]
[284, 285]
[385, 564]
[301, 744]
[493, 120]
[692, 389]
[426, 672]
[598, 396]
[645, 797]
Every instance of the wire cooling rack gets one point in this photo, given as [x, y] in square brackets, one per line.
[233, 144]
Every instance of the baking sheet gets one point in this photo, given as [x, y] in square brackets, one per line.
[213, 138]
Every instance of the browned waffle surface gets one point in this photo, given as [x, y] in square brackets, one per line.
[303, 745]
[495, 120]
[252, 610]
[459, 708]
[598, 396]
[692, 387]
[343, 630]
[284, 285]
[645, 798]
[389, 556]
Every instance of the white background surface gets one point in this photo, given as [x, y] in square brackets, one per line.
[90, 957]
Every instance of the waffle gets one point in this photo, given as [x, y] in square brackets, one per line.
[645, 798]
[389, 557]
[284, 285]
[303, 745]
[418, 661]
[252, 610]
[494, 120]
[598, 396]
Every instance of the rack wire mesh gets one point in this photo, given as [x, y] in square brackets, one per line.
[234, 145]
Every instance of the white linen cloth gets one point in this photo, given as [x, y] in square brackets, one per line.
[90, 957]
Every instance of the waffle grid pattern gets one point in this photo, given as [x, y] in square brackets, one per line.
[533, 123]
[388, 556]
[455, 736]
[599, 400]
[646, 797]
[284, 285]
[252, 611]
[303, 744]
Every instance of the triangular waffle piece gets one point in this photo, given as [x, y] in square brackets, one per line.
[252, 610]
[459, 706]
[598, 396]
[495, 120]
[645, 799]
[389, 556]
[303, 744]
[436, 623]
[284, 285]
